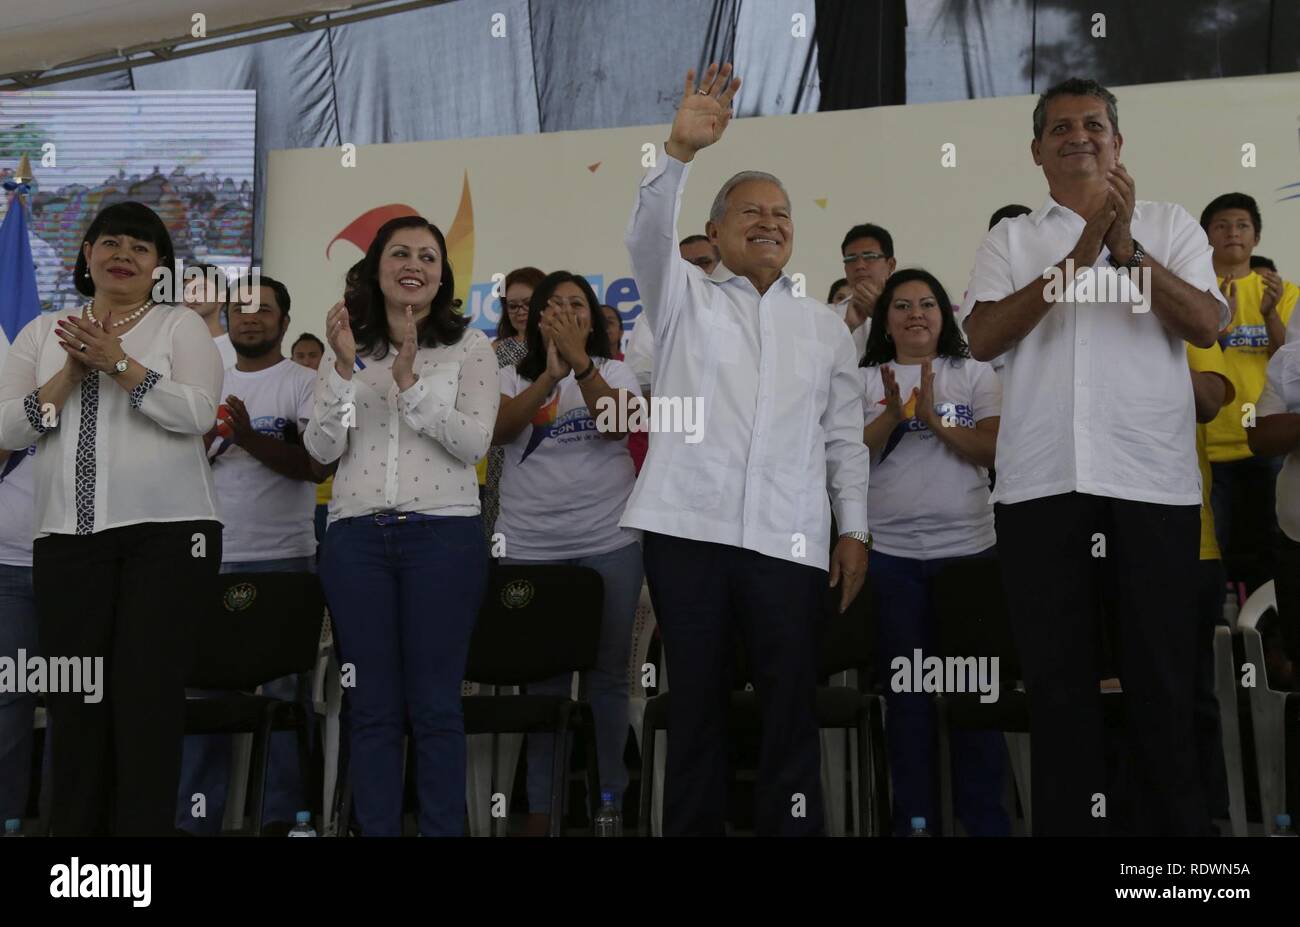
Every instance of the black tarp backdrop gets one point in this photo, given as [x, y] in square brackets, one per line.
[441, 72]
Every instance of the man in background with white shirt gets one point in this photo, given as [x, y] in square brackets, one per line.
[266, 497]
[868, 253]
[1096, 464]
[737, 523]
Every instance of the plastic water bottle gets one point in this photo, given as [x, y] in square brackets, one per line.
[919, 829]
[14, 827]
[609, 820]
[1282, 827]
[303, 828]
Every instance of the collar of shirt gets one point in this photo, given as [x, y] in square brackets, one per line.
[1042, 212]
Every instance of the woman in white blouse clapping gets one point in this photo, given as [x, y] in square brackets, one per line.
[119, 399]
[405, 402]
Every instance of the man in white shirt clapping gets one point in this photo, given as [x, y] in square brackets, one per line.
[736, 515]
[1089, 300]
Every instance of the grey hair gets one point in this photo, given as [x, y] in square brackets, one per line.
[1079, 87]
[720, 201]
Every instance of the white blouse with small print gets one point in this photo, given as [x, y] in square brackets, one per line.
[412, 451]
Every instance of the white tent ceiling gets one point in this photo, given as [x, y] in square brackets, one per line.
[39, 35]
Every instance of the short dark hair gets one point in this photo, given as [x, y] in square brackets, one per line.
[528, 276]
[534, 362]
[1010, 211]
[130, 218]
[843, 281]
[1258, 260]
[692, 239]
[1232, 201]
[870, 230]
[307, 336]
[1075, 87]
[365, 301]
[881, 350]
[281, 293]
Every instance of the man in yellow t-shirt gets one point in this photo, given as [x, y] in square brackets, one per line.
[1262, 304]
[1213, 390]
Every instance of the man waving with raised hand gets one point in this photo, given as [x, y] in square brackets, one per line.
[737, 524]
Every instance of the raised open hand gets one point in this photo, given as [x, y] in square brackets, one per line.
[704, 113]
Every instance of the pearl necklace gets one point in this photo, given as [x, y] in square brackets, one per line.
[131, 317]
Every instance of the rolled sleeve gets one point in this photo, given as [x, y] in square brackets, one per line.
[1190, 259]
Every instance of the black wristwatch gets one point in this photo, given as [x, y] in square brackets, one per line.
[1136, 260]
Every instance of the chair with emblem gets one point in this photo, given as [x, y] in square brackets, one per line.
[537, 622]
[264, 626]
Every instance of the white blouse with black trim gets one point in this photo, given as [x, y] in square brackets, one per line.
[114, 458]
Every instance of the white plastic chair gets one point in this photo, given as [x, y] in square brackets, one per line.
[643, 627]
[1225, 688]
[1267, 709]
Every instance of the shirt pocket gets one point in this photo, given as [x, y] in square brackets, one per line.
[719, 339]
[443, 379]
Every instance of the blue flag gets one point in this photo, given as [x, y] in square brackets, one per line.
[19, 300]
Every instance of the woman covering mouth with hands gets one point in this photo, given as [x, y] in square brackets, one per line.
[406, 401]
[928, 504]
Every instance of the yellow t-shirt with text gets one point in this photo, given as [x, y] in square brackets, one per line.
[1207, 360]
[1245, 348]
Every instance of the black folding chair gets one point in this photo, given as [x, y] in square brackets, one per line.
[263, 626]
[538, 622]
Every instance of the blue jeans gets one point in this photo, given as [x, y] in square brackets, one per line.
[206, 758]
[905, 622]
[17, 631]
[404, 599]
[605, 684]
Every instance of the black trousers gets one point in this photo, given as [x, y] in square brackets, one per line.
[1056, 588]
[706, 596]
[132, 596]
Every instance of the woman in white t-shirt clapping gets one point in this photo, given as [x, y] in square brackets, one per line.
[928, 504]
[566, 480]
[405, 401]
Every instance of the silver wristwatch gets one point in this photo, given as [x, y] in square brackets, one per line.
[860, 536]
[120, 366]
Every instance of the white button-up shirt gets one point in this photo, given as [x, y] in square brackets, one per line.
[781, 395]
[1096, 399]
[411, 451]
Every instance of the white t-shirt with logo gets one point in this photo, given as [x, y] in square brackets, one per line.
[924, 501]
[266, 516]
[564, 485]
[17, 508]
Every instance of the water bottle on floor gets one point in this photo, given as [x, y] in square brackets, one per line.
[303, 828]
[609, 820]
[919, 829]
[14, 827]
[1282, 827]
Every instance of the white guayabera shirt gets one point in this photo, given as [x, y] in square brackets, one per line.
[412, 451]
[781, 394]
[1096, 399]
